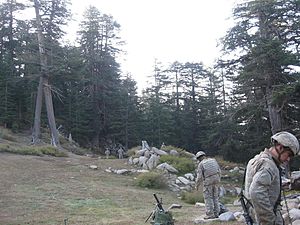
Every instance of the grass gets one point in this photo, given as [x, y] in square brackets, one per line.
[50, 190]
[32, 150]
[64, 190]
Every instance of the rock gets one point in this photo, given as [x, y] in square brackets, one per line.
[93, 167]
[147, 154]
[130, 160]
[174, 152]
[227, 216]
[158, 151]
[237, 215]
[122, 171]
[297, 222]
[295, 214]
[167, 167]
[183, 180]
[135, 161]
[152, 161]
[141, 152]
[142, 161]
[199, 204]
[189, 176]
[145, 145]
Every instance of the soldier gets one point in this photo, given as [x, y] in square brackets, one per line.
[120, 152]
[263, 178]
[209, 173]
[107, 153]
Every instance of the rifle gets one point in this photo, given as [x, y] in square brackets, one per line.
[248, 219]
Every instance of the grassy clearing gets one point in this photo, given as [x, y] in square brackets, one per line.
[49, 190]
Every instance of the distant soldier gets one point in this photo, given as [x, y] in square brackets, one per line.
[107, 153]
[209, 173]
[120, 153]
[263, 178]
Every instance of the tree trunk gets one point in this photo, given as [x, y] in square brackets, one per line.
[36, 134]
[274, 113]
[44, 80]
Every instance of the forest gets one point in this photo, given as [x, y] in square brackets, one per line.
[230, 109]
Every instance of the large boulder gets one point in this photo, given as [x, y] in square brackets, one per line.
[167, 167]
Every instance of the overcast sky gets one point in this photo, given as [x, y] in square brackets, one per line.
[168, 30]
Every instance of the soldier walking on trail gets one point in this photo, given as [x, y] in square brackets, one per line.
[209, 174]
[263, 179]
[120, 153]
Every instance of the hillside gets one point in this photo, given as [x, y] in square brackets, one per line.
[65, 190]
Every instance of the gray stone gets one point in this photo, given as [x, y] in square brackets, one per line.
[183, 180]
[158, 151]
[189, 176]
[227, 216]
[167, 167]
[174, 152]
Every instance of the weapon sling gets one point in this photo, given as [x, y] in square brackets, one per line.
[244, 202]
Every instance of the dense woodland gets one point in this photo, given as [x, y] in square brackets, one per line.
[230, 110]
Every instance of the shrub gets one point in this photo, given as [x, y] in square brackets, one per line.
[192, 197]
[182, 164]
[32, 150]
[151, 180]
[131, 152]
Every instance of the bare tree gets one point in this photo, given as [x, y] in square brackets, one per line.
[44, 87]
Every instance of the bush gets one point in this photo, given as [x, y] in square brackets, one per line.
[182, 164]
[32, 150]
[132, 151]
[192, 197]
[151, 180]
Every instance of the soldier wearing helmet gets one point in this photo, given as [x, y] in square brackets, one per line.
[263, 178]
[209, 174]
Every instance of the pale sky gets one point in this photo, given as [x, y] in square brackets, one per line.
[166, 30]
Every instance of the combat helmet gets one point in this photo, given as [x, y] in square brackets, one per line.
[199, 154]
[287, 140]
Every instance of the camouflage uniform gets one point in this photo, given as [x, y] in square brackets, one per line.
[262, 188]
[209, 173]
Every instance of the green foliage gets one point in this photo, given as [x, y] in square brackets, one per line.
[182, 164]
[192, 197]
[182, 152]
[151, 180]
[131, 152]
[32, 150]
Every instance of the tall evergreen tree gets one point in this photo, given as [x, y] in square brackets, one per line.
[99, 43]
[265, 38]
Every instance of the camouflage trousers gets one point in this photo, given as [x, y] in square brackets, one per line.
[211, 199]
